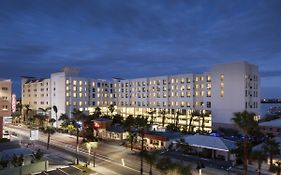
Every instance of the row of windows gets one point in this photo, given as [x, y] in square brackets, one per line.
[41, 102]
[251, 105]
[251, 93]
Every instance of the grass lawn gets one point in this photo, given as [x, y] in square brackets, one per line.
[85, 170]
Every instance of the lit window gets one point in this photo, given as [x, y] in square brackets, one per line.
[222, 93]
[74, 94]
[80, 103]
[67, 94]
[80, 95]
[222, 85]
[222, 77]
[74, 82]
[67, 81]
[80, 83]
[202, 93]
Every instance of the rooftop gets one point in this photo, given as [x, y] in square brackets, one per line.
[210, 142]
[272, 123]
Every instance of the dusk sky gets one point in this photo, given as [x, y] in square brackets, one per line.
[138, 38]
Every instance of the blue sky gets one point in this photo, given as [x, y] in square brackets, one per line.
[133, 38]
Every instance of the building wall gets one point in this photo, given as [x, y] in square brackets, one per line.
[223, 90]
[5, 101]
[229, 85]
[36, 93]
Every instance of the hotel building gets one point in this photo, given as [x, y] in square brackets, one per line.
[216, 95]
[5, 101]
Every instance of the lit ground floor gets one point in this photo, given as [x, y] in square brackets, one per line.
[185, 119]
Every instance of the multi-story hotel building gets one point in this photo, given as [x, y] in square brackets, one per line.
[223, 90]
[5, 101]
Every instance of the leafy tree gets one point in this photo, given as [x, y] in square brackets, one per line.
[50, 131]
[16, 116]
[4, 163]
[259, 157]
[172, 127]
[117, 118]
[246, 122]
[17, 160]
[129, 123]
[38, 155]
[183, 169]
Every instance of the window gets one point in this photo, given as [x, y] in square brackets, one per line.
[222, 77]
[208, 104]
[222, 93]
[74, 82]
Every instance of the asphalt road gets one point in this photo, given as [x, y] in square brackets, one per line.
[108, 157]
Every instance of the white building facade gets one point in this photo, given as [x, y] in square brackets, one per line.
[215, 95]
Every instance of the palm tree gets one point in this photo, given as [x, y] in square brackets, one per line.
[178, 113]
[97, 112]
[193, 114]
[271, 147]
[151, 112]
[150, 158]
[246, 122]
[56, 112]
[50, 131]
[45, 113]
[27, 110]
[163, 113]
[111, 109]
[75, 121]
[259, 157]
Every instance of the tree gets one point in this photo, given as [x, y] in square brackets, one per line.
[193, 114]
[172, 127]
[259, 157]
[117, 118]
[38, 154]
[163, 113]
[56, 112]
[111, 109]
[27, 110]
[150, 158]
[97, 112]
[151, 113]
[203, 115]
[16, 117]
[45, 113]
[17, 160]
[183, 169]
[271, 148]
[246, 122]
[75, 121]
[178, 113]
[50, 131]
